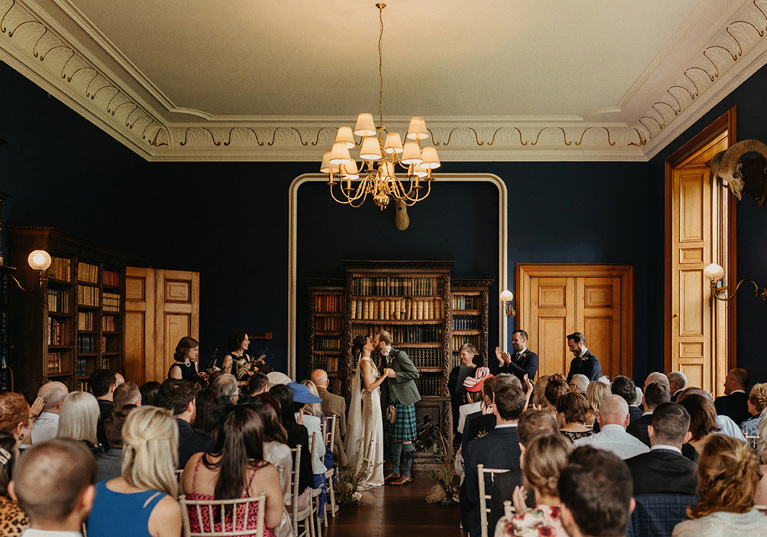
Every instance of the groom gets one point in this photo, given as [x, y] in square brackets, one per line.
[399, 390]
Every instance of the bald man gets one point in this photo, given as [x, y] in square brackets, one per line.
[333, 405]
[613, 418]
[47, 425]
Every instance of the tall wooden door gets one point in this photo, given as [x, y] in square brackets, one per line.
[161, 307]
[597, 300]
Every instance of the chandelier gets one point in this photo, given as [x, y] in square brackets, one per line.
[382, 154]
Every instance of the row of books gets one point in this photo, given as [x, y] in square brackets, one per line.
[467, 302]
[111, 278]
[329, 303]
[87, 272]
[431, 358]
[109, 323]
[85, 320]
[328, 363]
[326, 343]
[55, 332]
[81, 369]
[111, 302]
[87, 295]
[335, 384]
[60, 268]
[329, 324]
[401, 309]
[82, 386]
[397, 285]
[58, 300]
[54, 366]
[430, 384]
[86, 343]
[460, 341]
[465, 322]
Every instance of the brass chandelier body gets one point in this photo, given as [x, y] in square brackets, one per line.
[382, 153]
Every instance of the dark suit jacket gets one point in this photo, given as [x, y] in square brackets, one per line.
[503, 489]
[663, 472]
[526, 365]
[635, 413]
[191, 441]
[105, 410]
[476, 425]
[588, 365]
[638, 429]
[499, 449]
[734, 405]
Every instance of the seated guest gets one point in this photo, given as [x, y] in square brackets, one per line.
[14, 416]
[761, 449]
[728, 474]
[542, 461]
[142, 501]
[297, 435]
[571, 415]
[109, 463]
[579, 384]
[127, 393]
[103, 383]
[47, 424]
[499, 449]
[79, 420]
[178, 396]
[209, 410]
[53, 484]
[655, 376]
[149, 391]
[539, 392]
[613, 418]
[677, 381]
[532, 424]
[234, 468]
[303, 400]
[556, 388]
[664, 470]
[226, 387]
[626, 388]
[735, 401]
[757, 401]
[595, 394]
[595, 494]
[474, 400]
[482, 422]
[258, 383]
[725, 423]
[333, 405]
[14, 520]
[702, 418]
[655, 394]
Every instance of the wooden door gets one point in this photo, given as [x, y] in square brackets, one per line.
[162, 306]
[597, 300]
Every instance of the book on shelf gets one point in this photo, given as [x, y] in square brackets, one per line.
[467, 302]
[60, 268]
[327, 343]
[328, 363]
[328, 303]
[54, 363]
[430, 384]
[58, 301]
[82, 386]
[110, 278]
[431, 333]
[109, 323]
[461, 340]
[87, 295]
[56, 332]
[81, 368]
[466, 322]
[111, 302]
[397, 285]
[397, 309]
[86, 343]
[85, 320]
[329, 324]
[87, 272]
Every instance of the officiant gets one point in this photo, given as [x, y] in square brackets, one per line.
[469, 362]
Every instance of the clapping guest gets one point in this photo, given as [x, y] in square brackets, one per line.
[542, 461]
[728, 474]
[79, 420]
[14, 520]
[474, 397]
[571, 415]
[14, 416]
[757, 401]
[47, 424]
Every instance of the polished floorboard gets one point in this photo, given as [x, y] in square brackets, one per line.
[397, 512]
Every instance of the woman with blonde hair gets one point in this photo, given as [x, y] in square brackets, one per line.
[542, 461]
[142, 502]
[761, 450]
[79, 418]
[539, 392]
[595, 394]
[757, 401]
[728, 474]
[313, 409]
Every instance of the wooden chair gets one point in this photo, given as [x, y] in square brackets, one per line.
[484, 493]
[304, 516]
[508, 508]
[752, 441]
[221, 524]
[331, 473]
[316, 493]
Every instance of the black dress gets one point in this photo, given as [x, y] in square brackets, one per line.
[188, 371]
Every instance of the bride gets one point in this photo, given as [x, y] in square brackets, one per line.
[364, 439]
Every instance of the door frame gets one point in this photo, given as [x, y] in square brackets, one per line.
[527, 271]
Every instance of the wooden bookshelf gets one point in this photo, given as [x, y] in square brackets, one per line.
[470, 317]
[326, 346]
[74, 324]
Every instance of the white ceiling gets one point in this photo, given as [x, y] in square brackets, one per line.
[265, 80]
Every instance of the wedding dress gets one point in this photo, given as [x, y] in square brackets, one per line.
[364, 438]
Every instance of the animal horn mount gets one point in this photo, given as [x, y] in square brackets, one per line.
[401, 218]
[748, 175]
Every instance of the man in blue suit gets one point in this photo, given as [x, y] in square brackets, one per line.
[499, 449]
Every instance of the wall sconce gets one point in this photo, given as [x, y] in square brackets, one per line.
[506, 297]
[715, 273]
[39, 261]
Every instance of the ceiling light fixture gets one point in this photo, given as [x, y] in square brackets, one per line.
[377, 175]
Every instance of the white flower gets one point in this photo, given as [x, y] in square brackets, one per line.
[357, 496]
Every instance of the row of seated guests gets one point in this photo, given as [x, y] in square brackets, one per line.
[623, 423]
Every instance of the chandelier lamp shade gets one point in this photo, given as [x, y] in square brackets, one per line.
[388, 169]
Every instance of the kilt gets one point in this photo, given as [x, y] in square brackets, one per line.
[403, 428]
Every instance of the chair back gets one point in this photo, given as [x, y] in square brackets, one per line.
[752, 441]
[508, 508]
[297, 516]
[484, 492]
[657, 514]
[223, 518]
[331, 425]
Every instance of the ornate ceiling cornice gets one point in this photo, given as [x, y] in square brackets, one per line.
[33, 43]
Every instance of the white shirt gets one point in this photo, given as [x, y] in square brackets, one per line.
[729, 427]
[45, 428]
[667, 447]
[29, 532]
[465, 410]
[614, 438]
[314, 426]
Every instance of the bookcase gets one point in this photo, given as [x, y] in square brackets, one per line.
[326, 347]
[74, 323]
[470, 317]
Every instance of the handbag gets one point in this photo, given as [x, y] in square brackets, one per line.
[391, 413]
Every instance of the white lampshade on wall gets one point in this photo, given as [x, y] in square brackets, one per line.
[39, 260]
[713, 272]
[506, 296]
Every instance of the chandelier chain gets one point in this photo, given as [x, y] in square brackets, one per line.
[380, 63]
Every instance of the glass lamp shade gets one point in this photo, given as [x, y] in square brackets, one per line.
[506, 296]
[365, 125]
[326, 166]
[713, 272]
[393, 143]
[371, 150]
[340, 154]
[39, 260]
[350, 170]
[346, 136]
[430, 158]
[417, 129]
[411, 154]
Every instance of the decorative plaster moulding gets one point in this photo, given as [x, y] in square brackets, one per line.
[37, 46]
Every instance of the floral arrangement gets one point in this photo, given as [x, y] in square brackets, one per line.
[448, 484]
[351, 486]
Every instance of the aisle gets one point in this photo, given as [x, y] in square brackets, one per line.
[397, 512]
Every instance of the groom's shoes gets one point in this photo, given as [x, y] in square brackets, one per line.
[403, 480]
[391, 477]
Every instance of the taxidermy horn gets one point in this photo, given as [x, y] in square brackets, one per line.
[729, 170]
[401, 218]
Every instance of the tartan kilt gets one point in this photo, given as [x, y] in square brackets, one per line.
[403, 428]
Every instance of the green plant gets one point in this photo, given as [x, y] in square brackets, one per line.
[448, 483]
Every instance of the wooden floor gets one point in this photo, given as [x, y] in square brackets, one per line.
[397, 512]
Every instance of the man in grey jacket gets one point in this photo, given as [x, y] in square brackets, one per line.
[400, 391]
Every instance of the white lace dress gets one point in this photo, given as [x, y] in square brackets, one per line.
[364, 438]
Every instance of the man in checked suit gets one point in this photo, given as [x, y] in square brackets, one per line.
[399, 389]
[334, 405]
